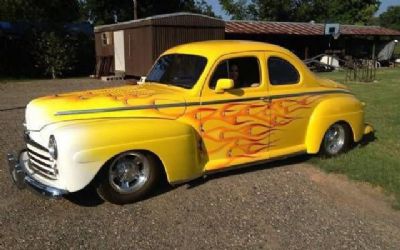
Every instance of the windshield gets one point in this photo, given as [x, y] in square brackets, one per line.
[178, 70]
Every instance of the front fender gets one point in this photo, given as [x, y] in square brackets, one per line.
[84, 147]
[343, 108]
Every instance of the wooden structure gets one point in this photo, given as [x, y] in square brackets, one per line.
[130, 48]
[308, 40]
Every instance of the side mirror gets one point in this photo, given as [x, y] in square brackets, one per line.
[223, 84]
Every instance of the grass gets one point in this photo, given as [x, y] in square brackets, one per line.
[378, 162]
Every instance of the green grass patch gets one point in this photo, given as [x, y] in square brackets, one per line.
[379, 161]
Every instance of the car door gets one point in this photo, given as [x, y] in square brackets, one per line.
[291, 104]
[234, 124]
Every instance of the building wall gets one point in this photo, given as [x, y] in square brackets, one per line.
[104, 50]
[143, 45]
[138, 50]
[101, 49]
[166, 37]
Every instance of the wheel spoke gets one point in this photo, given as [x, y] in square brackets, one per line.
[141, 179]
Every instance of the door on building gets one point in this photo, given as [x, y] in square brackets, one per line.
[119, 51]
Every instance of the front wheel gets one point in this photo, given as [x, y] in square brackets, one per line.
[128, 178]
[337, 140]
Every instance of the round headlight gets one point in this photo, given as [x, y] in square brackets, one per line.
[53, 147]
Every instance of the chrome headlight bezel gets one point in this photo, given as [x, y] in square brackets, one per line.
[53, 147]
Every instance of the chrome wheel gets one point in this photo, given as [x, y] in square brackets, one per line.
[129, 172]
[334, 139]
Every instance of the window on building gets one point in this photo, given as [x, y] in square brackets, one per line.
[281, 72]
[244, 71]
[106, 38]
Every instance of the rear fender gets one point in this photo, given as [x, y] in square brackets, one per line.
[337, 109]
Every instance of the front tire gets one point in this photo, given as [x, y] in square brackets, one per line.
[129, 177]
[337, 140]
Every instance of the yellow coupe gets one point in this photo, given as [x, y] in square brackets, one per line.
[203, 107]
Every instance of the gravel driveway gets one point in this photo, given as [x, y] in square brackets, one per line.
[285, 205]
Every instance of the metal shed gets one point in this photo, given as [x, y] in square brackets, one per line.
[130, 48]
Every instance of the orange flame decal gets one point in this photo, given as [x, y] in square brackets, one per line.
[243, 130]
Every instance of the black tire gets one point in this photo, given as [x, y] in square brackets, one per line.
[114, 184]
[337, 140]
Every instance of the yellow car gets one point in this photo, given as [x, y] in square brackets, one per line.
[203, 107]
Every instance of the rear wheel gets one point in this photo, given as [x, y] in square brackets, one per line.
[337, 140]
[129, 177]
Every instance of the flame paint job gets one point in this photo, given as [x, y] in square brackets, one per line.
[242, 130]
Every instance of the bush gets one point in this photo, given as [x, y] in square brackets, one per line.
[54, 54]
[46, 51]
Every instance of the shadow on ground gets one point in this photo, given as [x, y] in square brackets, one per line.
[247, 169]
[367, 139]
[88, 197]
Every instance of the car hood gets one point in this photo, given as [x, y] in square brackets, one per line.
[146, 100]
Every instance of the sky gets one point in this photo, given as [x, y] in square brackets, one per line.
[384, 5]
[218, 10]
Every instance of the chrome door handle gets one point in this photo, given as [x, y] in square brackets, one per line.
[265, 99]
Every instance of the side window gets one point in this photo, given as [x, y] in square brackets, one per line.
[281, 72]
[244, 71]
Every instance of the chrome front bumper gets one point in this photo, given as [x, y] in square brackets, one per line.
[22, 178]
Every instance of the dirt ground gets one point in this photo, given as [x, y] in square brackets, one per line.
[282, 205]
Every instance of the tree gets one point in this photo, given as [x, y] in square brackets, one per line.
[346, 12]
[107, 11]
[351, 12]
[54, 53]
[112, 11]
[155, 7]
[54, 11]
[41, 45]
[390, 18]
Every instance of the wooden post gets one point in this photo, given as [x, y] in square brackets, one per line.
[306, 52]
[373, 48]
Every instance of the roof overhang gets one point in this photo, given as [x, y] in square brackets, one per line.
[302, 29]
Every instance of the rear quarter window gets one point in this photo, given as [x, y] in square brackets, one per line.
[282, 72]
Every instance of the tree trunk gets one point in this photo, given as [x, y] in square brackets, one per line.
[53, 73]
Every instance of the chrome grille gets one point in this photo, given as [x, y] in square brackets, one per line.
[40, 161]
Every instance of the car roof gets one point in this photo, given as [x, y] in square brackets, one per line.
[221, 47]
[214, 49]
